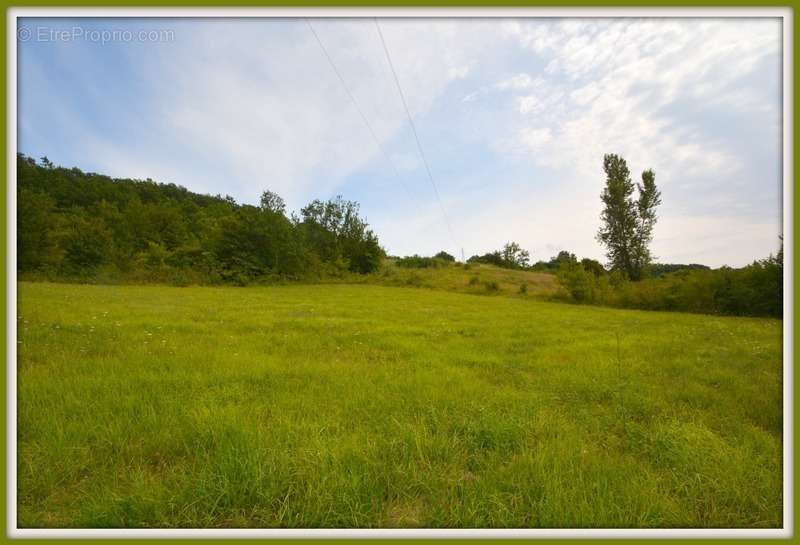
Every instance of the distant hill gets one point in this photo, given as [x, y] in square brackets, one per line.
[74, 224]
[660, 269]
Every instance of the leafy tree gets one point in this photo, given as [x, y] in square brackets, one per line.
[627, 227]
[489, 258]
[335, 230]
[593, 266]
[514, 256]
[418, 262]
[445, 256]
[649, 199]
[563, 257]
[511, 256]
[86, 245]
[34, 223]
[272, 202]
[660, 269]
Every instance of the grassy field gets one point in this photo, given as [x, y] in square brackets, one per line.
[474, 278]
[373, 406]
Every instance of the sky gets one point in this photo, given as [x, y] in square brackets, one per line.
[513, 117]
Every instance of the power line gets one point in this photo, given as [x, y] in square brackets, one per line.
[358, 108]
[414, 130]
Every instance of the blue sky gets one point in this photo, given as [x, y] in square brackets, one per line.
[514, 116]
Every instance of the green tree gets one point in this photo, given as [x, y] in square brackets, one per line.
[87, 245]
[627, 227]
[514, 256]
[563, 257]
[33, 223]
[649, 199]
[445, 256]
[334, 230]
[272, 202]
[593, 266]
[79, 223]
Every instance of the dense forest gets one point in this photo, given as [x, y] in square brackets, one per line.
[73, 224]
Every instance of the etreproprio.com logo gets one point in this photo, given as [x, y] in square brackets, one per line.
[93, 35]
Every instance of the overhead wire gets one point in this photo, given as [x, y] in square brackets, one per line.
[416, 136]
[358, 108]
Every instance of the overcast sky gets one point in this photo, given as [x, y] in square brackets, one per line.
[514, 117]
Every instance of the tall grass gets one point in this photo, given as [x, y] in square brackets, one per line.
[370, 406]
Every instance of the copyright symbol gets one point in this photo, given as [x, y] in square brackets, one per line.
[24, 34]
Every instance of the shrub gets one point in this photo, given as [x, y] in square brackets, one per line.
[387, 271]
[414, 279]
[180, 278]
[418, 262]
[578, 282]
[754, 290]
[474, 280]
[491, 286]
[523, 288]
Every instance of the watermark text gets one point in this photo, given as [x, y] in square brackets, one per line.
[92, 35]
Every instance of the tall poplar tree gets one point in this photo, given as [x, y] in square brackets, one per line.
[627, 228]
[649, 199]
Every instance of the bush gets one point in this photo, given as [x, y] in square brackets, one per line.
[474, 280]
[523, 288]
[418, 262]
[579, 283]
[491, 286]
[754, 290]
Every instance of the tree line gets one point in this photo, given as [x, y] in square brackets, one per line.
[81, 225]
[631, 278]
[753, 290]
[634, 281]
[75, 224]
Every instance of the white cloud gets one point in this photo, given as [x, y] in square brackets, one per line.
[608, 86]
[240, 106]
[585, 94]
[516, 82]
[260, 97]
[619, 75]
[536, 139]
[530, 104]
[459, 72]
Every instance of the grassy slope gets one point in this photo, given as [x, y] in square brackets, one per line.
[477, 279]
[356, 406]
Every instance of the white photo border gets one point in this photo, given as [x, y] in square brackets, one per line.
[14, 13]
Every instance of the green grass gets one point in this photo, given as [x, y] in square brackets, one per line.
[372, 406]
[474, 278]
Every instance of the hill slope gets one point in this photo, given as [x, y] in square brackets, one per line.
[476, 279]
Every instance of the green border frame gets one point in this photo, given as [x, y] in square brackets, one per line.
[791, 4]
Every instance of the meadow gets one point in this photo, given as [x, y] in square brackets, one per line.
[472, 278]
[376, 406]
